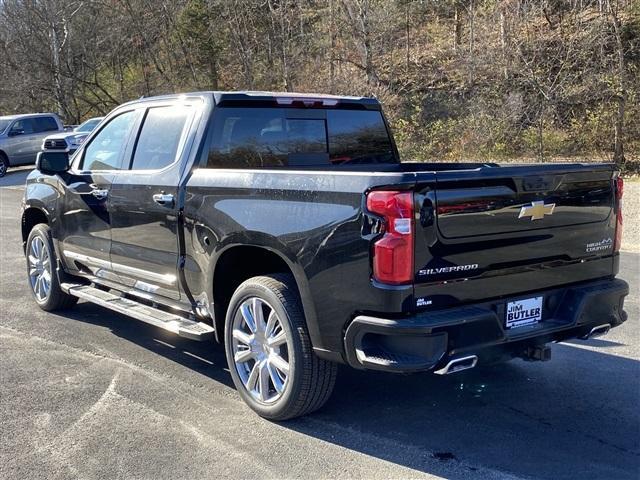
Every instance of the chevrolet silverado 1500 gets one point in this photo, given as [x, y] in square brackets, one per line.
[285, 227]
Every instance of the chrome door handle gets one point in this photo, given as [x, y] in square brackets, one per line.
[164, 199]
[100, 193]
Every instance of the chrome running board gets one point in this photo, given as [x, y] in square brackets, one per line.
[167, 321]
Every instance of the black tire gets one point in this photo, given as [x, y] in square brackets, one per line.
[56, 299]
[4, 165]
[311, 379]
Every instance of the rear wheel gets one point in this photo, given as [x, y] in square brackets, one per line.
[269, 352]
[4, 165]
[41, 271]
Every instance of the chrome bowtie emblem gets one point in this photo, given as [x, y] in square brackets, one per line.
[537, 210]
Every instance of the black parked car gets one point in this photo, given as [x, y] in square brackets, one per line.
[285, 227]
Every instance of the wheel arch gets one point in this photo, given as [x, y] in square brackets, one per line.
[32, 216]
[4, 154]
[238, 263]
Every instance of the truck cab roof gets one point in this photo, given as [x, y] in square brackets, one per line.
[283, 99]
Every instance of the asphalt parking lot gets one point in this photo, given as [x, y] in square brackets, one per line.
[92, 394]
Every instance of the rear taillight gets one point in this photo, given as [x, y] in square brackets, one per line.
[393, 252]
[619, 186]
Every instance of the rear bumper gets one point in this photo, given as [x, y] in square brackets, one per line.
[430, 340]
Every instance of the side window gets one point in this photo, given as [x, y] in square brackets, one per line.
[159, 138]
[45, 124]
[24, 126]
[106, 148]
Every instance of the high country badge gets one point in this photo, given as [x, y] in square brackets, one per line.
[601, 246]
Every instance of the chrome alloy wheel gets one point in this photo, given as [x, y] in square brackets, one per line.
[261, 350]
[39, 264]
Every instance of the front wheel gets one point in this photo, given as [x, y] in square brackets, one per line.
[269, 352]
[4, 165]
[41, 271]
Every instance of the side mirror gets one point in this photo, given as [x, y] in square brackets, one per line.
[52, 162]
[14, 132]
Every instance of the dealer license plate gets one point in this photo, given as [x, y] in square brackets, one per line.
[523, 312]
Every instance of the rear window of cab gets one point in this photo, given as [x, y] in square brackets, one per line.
[280, 137]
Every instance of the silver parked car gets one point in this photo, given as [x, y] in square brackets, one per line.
[21, 137]
[70, 141]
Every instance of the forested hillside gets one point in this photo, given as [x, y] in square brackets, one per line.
[460, 79]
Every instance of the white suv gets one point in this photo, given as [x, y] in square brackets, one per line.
[70, 141]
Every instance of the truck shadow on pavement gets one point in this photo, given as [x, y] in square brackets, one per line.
[576, 416]
[201, 357]
[546, 420]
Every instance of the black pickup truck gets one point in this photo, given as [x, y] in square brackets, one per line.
[285, 227]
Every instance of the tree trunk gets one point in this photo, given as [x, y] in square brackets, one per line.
[457, 27]
[472, 27]
[407, 28]
[503, 43]
[332, 46]
[57, 77]
[541, 132]
[621, 97]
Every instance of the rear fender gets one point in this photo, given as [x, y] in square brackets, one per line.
[273, 245]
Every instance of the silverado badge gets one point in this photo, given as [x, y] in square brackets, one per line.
[537, 210]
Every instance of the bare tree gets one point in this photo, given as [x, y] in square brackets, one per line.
[497, 79]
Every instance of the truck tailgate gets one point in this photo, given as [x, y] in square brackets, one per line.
[497, 231]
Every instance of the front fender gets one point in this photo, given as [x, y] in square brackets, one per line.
[41, 194]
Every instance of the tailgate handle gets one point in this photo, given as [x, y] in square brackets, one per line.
[426, 213]
[539, 184]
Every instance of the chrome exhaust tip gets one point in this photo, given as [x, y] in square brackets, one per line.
[598, 331]
[458, 364]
